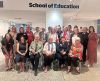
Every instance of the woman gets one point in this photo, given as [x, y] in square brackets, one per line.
[22, 48]
[7, 46]
[75, 55]
[92, 46]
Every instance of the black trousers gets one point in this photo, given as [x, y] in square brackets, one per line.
[84, 54]
[34, 58]
[63, 59]
[74, 61]
[48, 60]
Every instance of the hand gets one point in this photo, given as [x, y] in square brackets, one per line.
[33, 51]
[64, 53]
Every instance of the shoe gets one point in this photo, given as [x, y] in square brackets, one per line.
[69, 70]
[35, 73]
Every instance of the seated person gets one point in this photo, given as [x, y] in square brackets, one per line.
[75, 55]
[22, 48]
[48, 51]
[35, 50]
[62, 51]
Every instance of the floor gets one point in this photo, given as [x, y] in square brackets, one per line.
[87, 74]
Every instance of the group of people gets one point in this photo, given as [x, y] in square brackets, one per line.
[66, 45]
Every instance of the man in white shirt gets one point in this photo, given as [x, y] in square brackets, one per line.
[48, 51]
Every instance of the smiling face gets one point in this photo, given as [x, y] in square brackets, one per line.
[22, 39]
[91, 29]
[7, 37]
[21, 30]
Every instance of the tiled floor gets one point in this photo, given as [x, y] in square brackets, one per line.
[87, 74]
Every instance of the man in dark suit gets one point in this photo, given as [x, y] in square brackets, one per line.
[84, 41]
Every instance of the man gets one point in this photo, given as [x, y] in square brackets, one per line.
[48, 51]
[43, 35]
[35, 50]
[62, 51]
[37, 31]
[29, 34]
[59, 32]
[84, 41]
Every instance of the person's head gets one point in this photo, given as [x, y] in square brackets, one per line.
[28, 29]
[77, 41]
[69, 27]
[75, 30]
[43, 29]
[84, 29]
[50, 40]
[14, 29]
[65, 29]
[49, 29]
[37, 37]
[21, 30]
[52, 30]
[59, 28]
[91, 29]
[63, 39]
[7, 36]
[22, 39]
[37, 29]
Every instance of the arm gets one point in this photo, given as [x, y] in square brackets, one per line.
[4, 46]
[31, 48]
[45, 49]
[26, 49]
[54, 48]
[40, 48]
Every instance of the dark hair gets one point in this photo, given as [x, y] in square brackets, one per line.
[92, 28]
[75, 26]
[8, 34]
[24, 39]
[21, 28]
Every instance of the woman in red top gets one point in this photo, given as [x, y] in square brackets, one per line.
[75, 55]
[92, 46]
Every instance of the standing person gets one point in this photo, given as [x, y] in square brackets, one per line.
[84, 41]
[53, 35]
[69, 32]
[74, 35]
[48, 51]
[22, 48]
[48, 33]
[92, 46]
[64, 34]
[43, 35]
[7, 47]
[59, 32]
[13, 33]
[20, 34]
[29, 35]
[37, 31]
[35, 51]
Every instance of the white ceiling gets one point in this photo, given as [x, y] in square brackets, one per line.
[89, 9]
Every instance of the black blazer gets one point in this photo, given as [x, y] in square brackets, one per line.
[84, 38]
[63, 46]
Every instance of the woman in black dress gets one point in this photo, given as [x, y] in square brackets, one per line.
[7, 46]
[22, 48]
